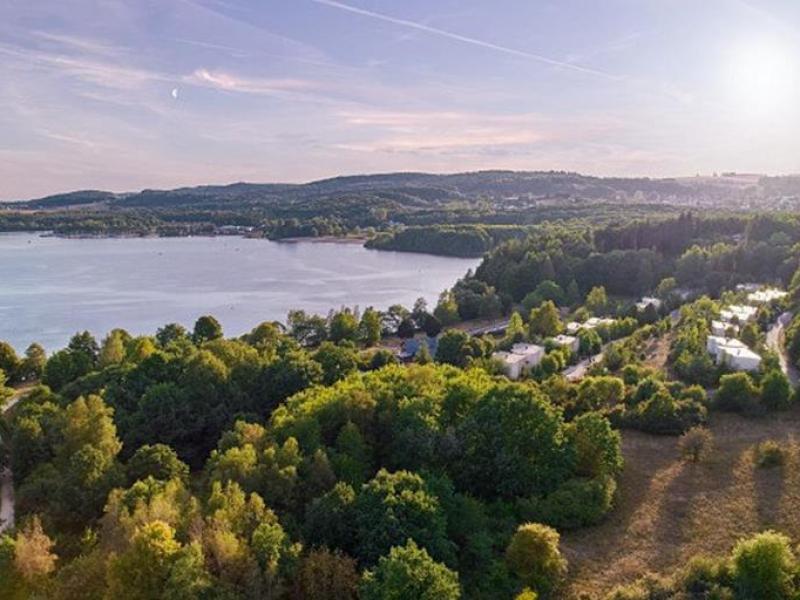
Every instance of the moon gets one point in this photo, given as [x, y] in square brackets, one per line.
[175, 93]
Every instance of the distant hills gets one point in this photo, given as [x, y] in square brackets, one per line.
[425, 189]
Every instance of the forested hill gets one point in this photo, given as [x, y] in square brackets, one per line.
[510, 186]
[461, 214]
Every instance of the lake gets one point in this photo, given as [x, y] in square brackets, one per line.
[52, 287]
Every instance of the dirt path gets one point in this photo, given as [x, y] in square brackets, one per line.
[668, 511]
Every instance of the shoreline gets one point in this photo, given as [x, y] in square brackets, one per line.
[325, 239]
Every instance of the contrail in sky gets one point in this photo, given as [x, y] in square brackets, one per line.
[464, 39]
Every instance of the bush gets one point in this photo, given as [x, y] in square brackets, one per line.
[661, 414]
[738, 393]
[534, 556]
[769, 454]
[576, 503]
[776, 391]
[763, 567]
[701, 577]
[695, 445]
[649, 587]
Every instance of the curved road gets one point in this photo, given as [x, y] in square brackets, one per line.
[775, 337]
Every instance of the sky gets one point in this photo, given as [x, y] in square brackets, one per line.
[129, 94]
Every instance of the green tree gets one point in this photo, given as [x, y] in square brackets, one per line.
[589, 342]
[431, 325]
[737, 392]
[344, 326]
[206, 329]
[409, 572]
[406, 329]
[9, 361]
[531, 458]
[598, 451]
[370, 327]
[309, 330]
[394, 507]
[597, 301]
[454, 348]
[447, 309]
[112, 351]
[64, 367]
[172, 332]
[776, 391]
[534, 556]
[336, 361]
[666, 287]
[84, 344]
[143, 570]
[546, 290]
[750, 334]
[158, 461]
[545, 321]
[32, 366]
[764, 567]
[515, 332]
[423, 356]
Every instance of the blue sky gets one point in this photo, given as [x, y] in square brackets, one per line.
[127, 94]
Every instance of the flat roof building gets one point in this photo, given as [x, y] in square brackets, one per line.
[520, 358]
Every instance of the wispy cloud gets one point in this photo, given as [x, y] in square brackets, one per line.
[79, 43]
[466, 39]
[437, 132]
[91, 70]
[249, 85]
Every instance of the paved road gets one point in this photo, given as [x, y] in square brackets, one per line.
[775, 343]
[496, 327]
[579, 370]
[7, 513]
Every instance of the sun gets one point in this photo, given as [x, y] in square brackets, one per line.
[763, 78]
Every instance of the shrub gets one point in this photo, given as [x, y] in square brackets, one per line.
[534, 556]
[776, 392]
[576, 503]
[763, 566]
[738, 393]
[700, 577]
[649, 587]
[695, 445]
[769, 454]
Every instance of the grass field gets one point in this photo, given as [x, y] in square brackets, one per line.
[668, 510]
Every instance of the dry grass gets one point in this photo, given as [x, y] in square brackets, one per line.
[669, 510]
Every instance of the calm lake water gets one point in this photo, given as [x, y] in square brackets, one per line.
[51, 287]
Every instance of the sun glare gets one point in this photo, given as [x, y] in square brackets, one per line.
[763, 79]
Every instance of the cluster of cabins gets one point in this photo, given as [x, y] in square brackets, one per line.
[521, 358]
[723, 344]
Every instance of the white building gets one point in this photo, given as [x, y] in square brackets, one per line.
[766, 295]
[648, 301]
[733, 353]
[721, 328]
[521, 358]
[748, 287]
[740, 359]
[715, 343]
[574, 327]
[568, 341]
[741, 312]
